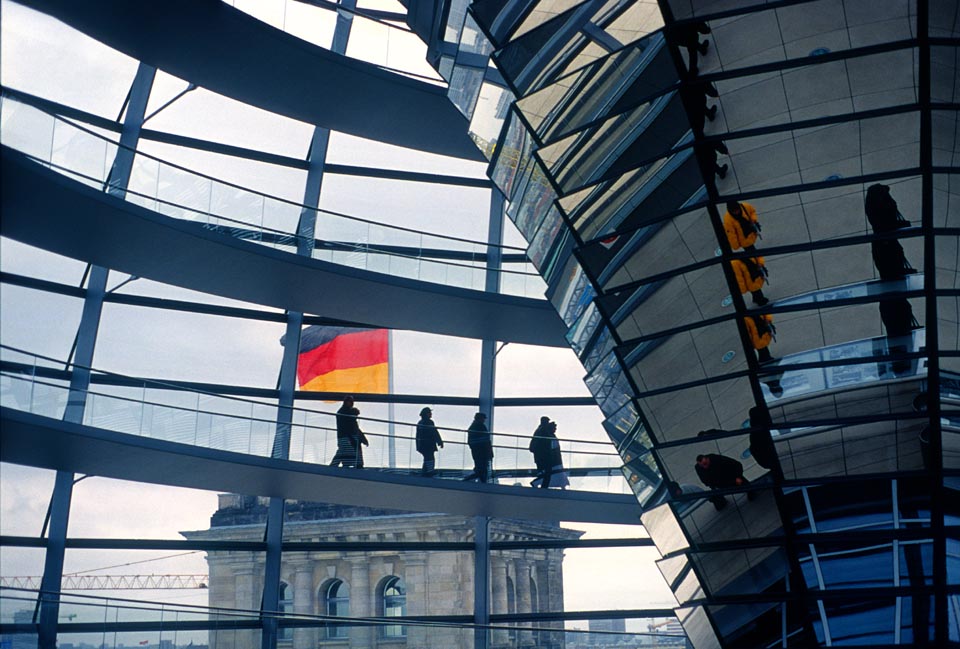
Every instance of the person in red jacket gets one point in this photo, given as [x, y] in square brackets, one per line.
[751, 274]
[741, 225]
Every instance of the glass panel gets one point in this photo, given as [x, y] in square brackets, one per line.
[882, 144]
[107, 508]
[607, 86]
[27, 325]
[743, 571]
[39, 56]
[664, 529]
[135, 342]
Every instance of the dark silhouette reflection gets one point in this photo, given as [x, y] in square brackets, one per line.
[896, 313]
[706, 153]
[694, 96]
[761, 443]
[882, 212]
[721, 472]
[688, 36]
[899, 322]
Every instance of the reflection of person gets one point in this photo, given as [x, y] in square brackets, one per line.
[694, 95]
[720, 472]
[751, 274]
[540, 447]
[761, 332]
[706, 153]
[688, 36]
[349, 437]
[761, 443]
[481, 447]
[882, 212]
[899, 322]
[428, 439]
[741, 225]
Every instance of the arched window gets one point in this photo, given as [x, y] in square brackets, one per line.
[286, 605]
[393, 603]
[336, 602]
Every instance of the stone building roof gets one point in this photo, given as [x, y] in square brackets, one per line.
[239, 516]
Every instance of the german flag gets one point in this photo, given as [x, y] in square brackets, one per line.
[343, 359]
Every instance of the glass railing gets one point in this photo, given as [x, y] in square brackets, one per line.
[81, 153]
[799, 382]
[39, 385]
[112, 623]
[852, 291]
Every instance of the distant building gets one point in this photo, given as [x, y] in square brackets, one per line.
[673, 636]
[383, 583]
[601, 632]
[20, 640]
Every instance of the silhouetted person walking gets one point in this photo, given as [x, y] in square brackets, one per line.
[349, 437]
[540, 446]
[481, 447]
[428, 439]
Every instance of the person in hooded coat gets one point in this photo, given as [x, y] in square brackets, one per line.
[428, 439]
[540, 446]
[751, 274]
[741, 225]
[349, 437]
[481, 447]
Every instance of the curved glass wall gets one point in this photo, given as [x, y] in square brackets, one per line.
[745, 218]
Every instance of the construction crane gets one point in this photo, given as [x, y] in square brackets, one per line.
[112, 582]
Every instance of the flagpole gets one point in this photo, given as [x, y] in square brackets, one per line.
[391, 427]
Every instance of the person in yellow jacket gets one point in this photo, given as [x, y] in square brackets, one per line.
[741, 225]
[761, 331]
[751, 275]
